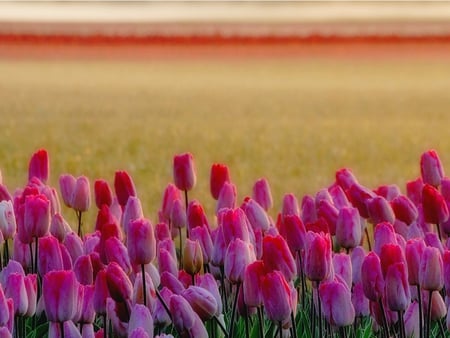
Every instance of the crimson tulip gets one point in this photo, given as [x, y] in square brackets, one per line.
[219, 175]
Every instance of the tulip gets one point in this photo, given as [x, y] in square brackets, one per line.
[167, 262]
[431, 269]
[202, 235]
[63, 330]
[357, 257]
[141, 317]
[103, 193]
[342, 266]
[431, 168]
[219, 175]
[338, 196]
[397, 288]
[84, 270]
[317, 256]
[256, 215]
[119, 316]
[389, 192]
[141, 243]
[413, 254]
[184, 174]
[234, 225]
[348, 228]
[50, 256]
[171, 194]
[192, 257]
[404, 209]
[384, 234]
[15, 289]
[39, 166]
[160, 315]
[219, 247]
[360, 301]
[101, 292]
[183, 315]
[7, 220]
[345, 178]
[196, 215]
[124, 187]
[414, 191]
[116, 252]
[81, 199]
[277, 256]
[389, 255]
[412, 320]
[4, 312]
[294, 232]
[87, 315]
[131, 212]
[358, 196]
[227, 197]
[119, 285]
[309, 213]
[276, 295]
[59, 227]
[372, 277]
[178, 215]
[209, 283]
[59, 289]
[337, 305]
[327, 211]
[74, 245]
[290, 205]
[434, 206]
[36, 217]
[380, 210]
[201, 301]
[67, 184]
[262, 194]
[239, 254]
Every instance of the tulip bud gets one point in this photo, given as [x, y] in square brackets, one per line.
[431, 269]
[391, 254]
[201, 234]
[337, 305]
[389, 192]
[81, 199]
[357, 257]
[59, 228]
[131, 212]
[15, 289]
[384, 234]
[276, 295]
[116, 252]
[184, 174]
[67, 185]
[227, 197]
[413, 254]
[138, 291]
[239, 254]
[380, 210]
[219, 175]
[262, 194]
[7, 220]
[183, 315]
[171, 194]
[196, 216]
[329, 213]
[317, 256]
[431, 168]
[277, 256]
[397, 289]
[39, 166]
[178, 214]
[50, 256]
[141, 318]
[201, 301]
[290, 205]
[103, 193]
[59, 289]
[345, 178]
[209, 283]
[36, 216]
[404, 209]
[141, 242]
[358, 196]
[360, 301]
[309, 214]
[342, 267]
[434, 206]
[294, 232]
[124, 187]
[372, 277]
[348, 228]
[119, 285]
[252, 283]
[256, 215]
[192, 257]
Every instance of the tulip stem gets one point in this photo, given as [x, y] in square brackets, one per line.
[419, 295]
[36, 255]
[186, 203]
[247, 333]
[428, 325]
[320, 310]
[6, 254]
[144, 288]
[224, 330]
[368, 238]
[233, 313]
[280, 325]
[383, 315]
[31, 257]
[313, 316]
[441, 329]
[439, 232]
[163, 303]
[181, 249]
[61, 326]
[260, 322]
[294, 325]
[342, 332]
[302, 278]
[79, 213]
[401, 324]
[223, 289]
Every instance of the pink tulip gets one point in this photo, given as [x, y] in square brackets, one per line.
[434, 206]
[317, 256]
[446, 270]
[67, 185]
[202, 235]
[119, 315]
[59, 289]
[397, 289]
[348, 228]
[338, 196]
[336, 302]
[277, 256]
[103, 193]
[380, 210]
[84, 270]
[160, 315]
[323, 195]
[141, 318]
[227, 197]
[357, 257]
[252, 283]
[290, 205]
[116, 252]
[7, 220]
[59, 227]
[404, 209]
[219, 248]
[104, 216]
[389, 192]
[384, 234]
[16, 290]
[256, 215]
[239, 254]
[209, 283]
[327, 211]
[345, 178]
[171, 194]
[36, 217]
[171, 282]
[119, 285]
[391, 254]
[183, 315]
[87, 305]
[184, 174]
[178, 214]
[131, 212]
[124, 187]
[262, 194]
[413, 254]
[4, 312]
[201, 301]
[69, 329]
[414, 190]
[50, 256]
[81, 199]
[192, 257]
[141, 242]
[138, 291]
[294, 232]
[372, 277]
[431, 168]
[167, 262]
[101, 292]
[276, 295]
[342, 267]
[219, 175]
[74, 245]
[431, 269]
[360, 301]
[411, 317]
[309, 213]
[234, 225]
[39, 166]
[438, 307]
[358, 196]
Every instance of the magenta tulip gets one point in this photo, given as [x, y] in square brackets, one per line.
[239, 254]
[119, 285]
[414, 190]
[39, 166]
[389, 192]
[201, 301]
[59, 289]
[141, 242]
[227, 197]
[141, 317]
[276, 295]
[103, 193]
[398, 295]
[277, 256]
[380, 210]
[50, 256]
[256, 215]
[294, 232]
[202, 235]
[116, 251]
[131, 212]
[404, 209]
[431, 168]
[219, 175]
[171, 194]
[336, 302]
[36, 217]
[434, 206]
[345, 178]
[348, 228]
[262, 194]
[184, 174]
[309, 213]
[431, 269]
[124, 187]
[317, 256]
[252, 283]
[290, 205]
[372, 277]
[358, 196]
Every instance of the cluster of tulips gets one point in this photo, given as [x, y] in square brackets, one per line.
[316, 270]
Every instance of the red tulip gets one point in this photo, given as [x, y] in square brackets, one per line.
[276, 295]
[372, 277]
[252, 283]
[348, 228]
[431, 168]
[239, 254]
[103, 193]
[39, 166]
[67, 185]
[414, 190]
[434, 206]
[81, 199]
[294, 232]
[358, 196]
[219, 175]
[141, 242]
[317, 256]
[336, 302]
[404, 209]
[196, 216]
[171, 194]
[398, 295]
[391, 254]
[262, 194]
[124, 187]
[59, 290]
[431, 269]
[184, 174]
[277, 256]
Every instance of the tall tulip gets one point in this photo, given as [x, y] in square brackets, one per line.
[184, 174]
[431, 168]
[348, 228]
[124, 187]
[218, 176]
[277, 256]
[317, 256]
[435, 208]
[39, 166]
[59, 289]
[103, 193]
[262, 194]
[336, 303]
[276, 295]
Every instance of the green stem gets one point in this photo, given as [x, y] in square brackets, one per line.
[163, 303]
[247, 331]
[419, 294]
[294, 325]
[383, 314]
[233, 313]
[224, 330]
[144, 288]
[260, 322]
[428, 325]
[320, 310]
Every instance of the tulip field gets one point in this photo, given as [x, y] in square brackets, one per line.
[225, 198]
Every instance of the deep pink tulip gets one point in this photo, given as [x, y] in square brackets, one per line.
[104, 216]
[345, 178]
[358, 196]
[380, 210]
[50, 256]
[348, 228]
[209, 283]
[74, 245]
[227, 197]
[414, 190]
[69, 328]
[434, 206]
[171, 194]
[119, 285]
[202, 235]
[327, 211]
[372, 277]
[290, 205]
[276, 295]
[389, 192]
[16, 290]
[411, 318]
[36, 217]
[446, 270]
[318, 261]
[59, 290]
[252, 283]
[404, 209]
[256, 215]
[294, 232]
[398, 295]
[196, 216]
[119, 315]
[309, 213]
[81, 194]
[184, 175]
[391, 254]
[342, 267]
[39, 166]
[116, 252]
[239, 254]
[384, 233]
[431, 269]
[108, 231]
[101, 292]
[219, 175]
[277, 256]
[233, 223]
[7, 220]
[141, 318]
[84, 270]
[103, 193]
[87, 314]
[338, 196]
[431, 168]
[262, 194]
[323, 195]
[337, 304]
[141, 242]
[167, 262]
[124, 187]
[357, 257]
[4, 312]
[131, 212]
[171, 282]
[360, 301]
[201, 301]
[413, 254]
[67, 185]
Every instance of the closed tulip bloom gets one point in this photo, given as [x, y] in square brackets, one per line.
[7, 220]
[358, 196]
[434, 206]
[87, 306]
[338, 196]
[345, 178]
[397, 288]
[357, 257]
[74, 245]
[317, 256]
[4, 312]
[413, 254]
[438, 307]
[50, 256]
[337, 304]
[309, 213]
[192, 257]
[196, 216]
[178, 214]
[103, 193]
[227, 197]
[431, 168]
[233, 223]
[262, 194]
[276, 295]
[84, 270]
[360, 301]
[124, 187]
[446, 270]
[290, 205]
[101, 292]
[201, 301]
[202, 235]
[209, 283]
[252, 283]
[131, 212]
[294, 232]
[119, 285]
[141, 242]
[59, 290]
[67, 184]
[141, 317]
[348, 228]
[59, 227]
[389, 192]
[239, 254]
[219, 175]
[116, 252]
[411, 317]
[119, 315]
[404, 209]
[37, 216]
[277, 256]
[167, 262]
[391, 254]
[171, 194]
[372, 277]
[256, 215]
[219, 248]
[380, 210]
[16, 290]
[184, 174]
[183, 315]
[39, 166]
[384, 233]
[431, 269]
[328, 212]
[69, 328]
[81, 194]
[342, 266]
[160, 315]
[171, 282]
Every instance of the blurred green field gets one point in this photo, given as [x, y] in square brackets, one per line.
[294, 122]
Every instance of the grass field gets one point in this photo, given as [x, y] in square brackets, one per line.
[293, 121]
